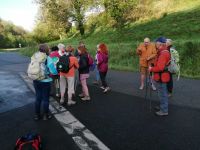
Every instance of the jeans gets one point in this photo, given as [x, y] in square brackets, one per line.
[42, 90]
[97, 74]
[163, 96]
[103, 79]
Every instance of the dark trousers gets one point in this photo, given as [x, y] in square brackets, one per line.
[42, 91]
[103, 78]
[170, 84]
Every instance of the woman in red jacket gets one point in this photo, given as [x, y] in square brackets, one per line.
[162, 76]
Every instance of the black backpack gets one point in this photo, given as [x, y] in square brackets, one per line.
[30, 141]
[63, 64]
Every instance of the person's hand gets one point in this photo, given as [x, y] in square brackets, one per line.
[150, 68]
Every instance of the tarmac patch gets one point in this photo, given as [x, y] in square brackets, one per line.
[14, 92]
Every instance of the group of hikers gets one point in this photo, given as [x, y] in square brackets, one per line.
[65, 66]
[158, 60]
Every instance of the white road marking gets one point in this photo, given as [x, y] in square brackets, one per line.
[83, 137]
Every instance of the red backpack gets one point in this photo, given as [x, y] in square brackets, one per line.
[29, 141]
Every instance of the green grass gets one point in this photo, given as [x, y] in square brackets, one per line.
[183, 27]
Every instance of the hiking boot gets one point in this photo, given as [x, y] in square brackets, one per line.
[160, 113]
[86, 98]
[62, 101]
[106, 89]
[37, 117]
[153, 87]
[71, 102]
[141, 87]
[103, 88]
[81, 95]
[46, 117]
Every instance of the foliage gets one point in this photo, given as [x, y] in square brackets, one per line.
[11, 35]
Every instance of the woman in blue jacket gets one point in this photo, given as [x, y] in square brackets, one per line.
[43, 86]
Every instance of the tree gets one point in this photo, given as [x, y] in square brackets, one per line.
[78, 9]
[119, 9]
[55, 14]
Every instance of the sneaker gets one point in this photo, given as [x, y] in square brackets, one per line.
[96, 82]
[153, 87]
[141, 87]
[160, 113]
[62, 101]
[170, 95]
[71, 102]
[57, 95]
[106, 90]
[37, 117]
[81, 95]
[86, 98]
[46, 117]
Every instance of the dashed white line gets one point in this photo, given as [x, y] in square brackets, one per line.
[83, 137]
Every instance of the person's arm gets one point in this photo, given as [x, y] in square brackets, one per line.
[139, 50]
[76, 65]
[153, 54]
[51, 66]
[162, 62]
[99, 59]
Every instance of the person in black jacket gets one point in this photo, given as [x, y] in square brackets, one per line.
[84, 72]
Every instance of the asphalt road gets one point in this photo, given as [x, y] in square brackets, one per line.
[121, 119]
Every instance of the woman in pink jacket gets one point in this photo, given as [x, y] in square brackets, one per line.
[102, 64]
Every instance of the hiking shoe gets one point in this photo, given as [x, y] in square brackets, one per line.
[170, 95]
[71, 102]
[160, 113]
[106, 89]
[46, 117]
[81, 95]
[157, 108]
[36, 117]
[86, 98]
[153, 87]
[62, 101]
[96, 82]
[141, 87]
[103, 88]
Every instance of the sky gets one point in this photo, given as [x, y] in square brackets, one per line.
[20, 12]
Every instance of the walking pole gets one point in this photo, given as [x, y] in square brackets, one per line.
[146, 86]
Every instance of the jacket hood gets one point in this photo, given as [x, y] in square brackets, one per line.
[54, 54]
[39, 56]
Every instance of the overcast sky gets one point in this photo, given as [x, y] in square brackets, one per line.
[20, 12]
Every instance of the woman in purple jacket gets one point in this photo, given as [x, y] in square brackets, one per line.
[102, 59]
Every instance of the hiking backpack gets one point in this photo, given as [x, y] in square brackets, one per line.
[29, 142]
[63, 64]
[174, 66]
[37, 68]
[90, 60]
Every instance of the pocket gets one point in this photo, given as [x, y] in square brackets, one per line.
[165, 77]
[156, 77]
